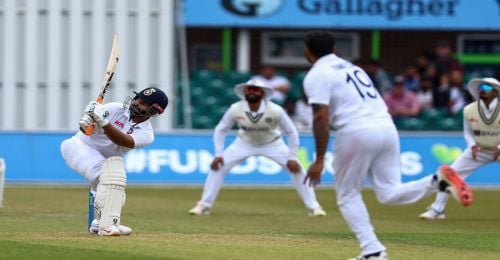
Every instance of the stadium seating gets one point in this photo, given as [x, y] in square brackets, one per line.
[411, 124]
[296, 85]
[234, 77]
[449, 124]
[201, 76]
[431, 117]
[213, 92]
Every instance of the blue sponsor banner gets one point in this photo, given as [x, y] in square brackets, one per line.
[180, 158]
[367, 14]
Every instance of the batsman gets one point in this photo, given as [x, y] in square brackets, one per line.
[117, 129]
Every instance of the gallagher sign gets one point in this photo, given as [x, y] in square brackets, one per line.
[369, 14]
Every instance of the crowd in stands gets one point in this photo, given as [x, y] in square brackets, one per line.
[428, 93]
[433, 81]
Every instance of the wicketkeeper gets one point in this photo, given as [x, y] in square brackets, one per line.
[119, 127]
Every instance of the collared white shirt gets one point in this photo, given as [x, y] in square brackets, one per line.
[284, 124]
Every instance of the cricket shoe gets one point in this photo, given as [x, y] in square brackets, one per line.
[199, 210]
[94, 228]
[449, 180]
[317, 212]
[382, 255]
[432, 214]
[112, 230]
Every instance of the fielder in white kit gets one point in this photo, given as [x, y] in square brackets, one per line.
[366, 142]
[119, 127]
[260, 124]
[481, 133]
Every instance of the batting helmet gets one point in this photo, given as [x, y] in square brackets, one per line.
[154, 97]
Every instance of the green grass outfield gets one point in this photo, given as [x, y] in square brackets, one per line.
[246, 223]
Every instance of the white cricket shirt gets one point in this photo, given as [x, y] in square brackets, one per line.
[256, 128]
[353, 101]
[118, 116]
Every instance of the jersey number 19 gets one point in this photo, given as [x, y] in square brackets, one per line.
[362, 83]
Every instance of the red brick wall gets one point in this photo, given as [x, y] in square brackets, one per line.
[397, 47]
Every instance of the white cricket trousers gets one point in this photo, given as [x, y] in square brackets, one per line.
[373, 153]
[464, 165]
[83, 159]
[238, 151]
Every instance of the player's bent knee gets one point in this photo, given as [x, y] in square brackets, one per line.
[386, 198]
[110, 196]
[113, 172]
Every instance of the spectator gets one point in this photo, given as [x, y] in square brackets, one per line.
[457, 97]
[456, 78]
[425, 63]
[299, 111]
[424, 93]
[457, 101]
[444, 60]
[303, 117]
[411, 77]
[278, 83]
[378, 75]
[400, 101]
[442, 92]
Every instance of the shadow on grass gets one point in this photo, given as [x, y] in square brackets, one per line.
[23, 250]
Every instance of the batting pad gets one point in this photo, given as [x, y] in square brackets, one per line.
[110, 196]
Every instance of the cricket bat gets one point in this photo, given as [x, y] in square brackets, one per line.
[108, 76]
[110, 71]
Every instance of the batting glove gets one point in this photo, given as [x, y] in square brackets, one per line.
[85, 122]
[96, 111]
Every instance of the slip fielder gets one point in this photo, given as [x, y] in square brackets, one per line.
[481, 133]
[261, 123]
[119, 127]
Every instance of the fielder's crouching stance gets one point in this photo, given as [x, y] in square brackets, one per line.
[119, 128]
[261, 123]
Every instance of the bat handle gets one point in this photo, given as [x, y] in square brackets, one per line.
[90, 129]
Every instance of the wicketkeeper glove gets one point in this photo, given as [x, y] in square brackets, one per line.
[86, 121]
[96, 111]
